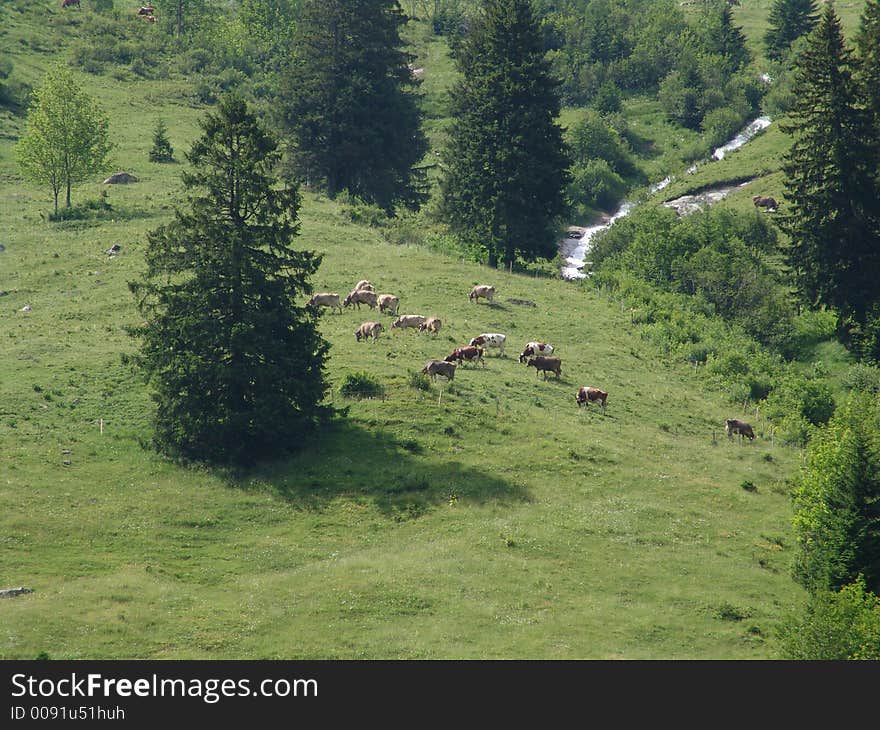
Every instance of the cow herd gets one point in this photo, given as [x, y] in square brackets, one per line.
[538, 355]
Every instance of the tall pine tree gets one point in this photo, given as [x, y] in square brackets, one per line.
[788, 21]
[350, 105]
[236, 365]
[832, 217]
[505, 162]
[868, 58]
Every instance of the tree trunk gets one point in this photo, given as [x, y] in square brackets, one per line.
[179, 17]
[68, 192]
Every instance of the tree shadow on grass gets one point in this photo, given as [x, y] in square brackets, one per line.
[400, 477]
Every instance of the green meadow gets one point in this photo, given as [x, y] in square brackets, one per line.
[484, 518]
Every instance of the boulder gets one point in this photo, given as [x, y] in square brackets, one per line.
[120, 178]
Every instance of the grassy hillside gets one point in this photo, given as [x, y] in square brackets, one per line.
[488, 518]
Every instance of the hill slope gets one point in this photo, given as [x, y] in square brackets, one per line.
[489, 518]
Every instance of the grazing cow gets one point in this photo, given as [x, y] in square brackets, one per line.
[545, 365]
[145, 10]
[368, 329]
[733, 426]
[431, 324]
[490, 339]
[586, 395]
[439, 367]
[408, 320]
[69, 3]
[471, 354]
[361, 296]
[482, 291]
[535, 348]
[364, 284]
[325, 299]
[764, 201]
[388, 303]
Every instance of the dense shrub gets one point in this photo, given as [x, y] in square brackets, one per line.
[834, 626]
[361, 385]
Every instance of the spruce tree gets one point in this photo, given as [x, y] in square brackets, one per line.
[505, 163]
[830, 188]
[788, 21]
[350, 106]
[161, 151]
[237, 366]
[837, 501]
[868, 60]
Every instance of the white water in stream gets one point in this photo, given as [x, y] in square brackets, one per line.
[575, 247]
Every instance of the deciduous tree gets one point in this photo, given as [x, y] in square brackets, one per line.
[66, 138]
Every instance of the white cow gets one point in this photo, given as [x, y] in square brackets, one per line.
[535, 348]
[490, 339]
[482, 291]
[408, 320]
[326, 299]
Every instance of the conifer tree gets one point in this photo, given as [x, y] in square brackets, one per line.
[832, 216]
[505, 162]
[788, 21]
[837, 502]
[162, 151]
[868, 58]
[720, 36]
[236, 364]
[349, 103]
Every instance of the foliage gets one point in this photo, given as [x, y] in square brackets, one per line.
[834, 626]
[716, 255]
[361, 385]
[837, 500]
[66, 139]
[833, 217]
[788, 21]
[594, 185]
[867, 72]
[236, 365]
[349, 105]
[161, 151]
[505, 160]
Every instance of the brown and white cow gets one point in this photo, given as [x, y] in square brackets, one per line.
[469, 354]
[734, 426]
[482, 291]
[545, 365]
[765, 201]
[588, 394]
[364, 284]
[432, 325]
[367, 330]
[535, 348]
[490, 339]
[326, 299]
[361, 296]
[439, 367]
[388, 303]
